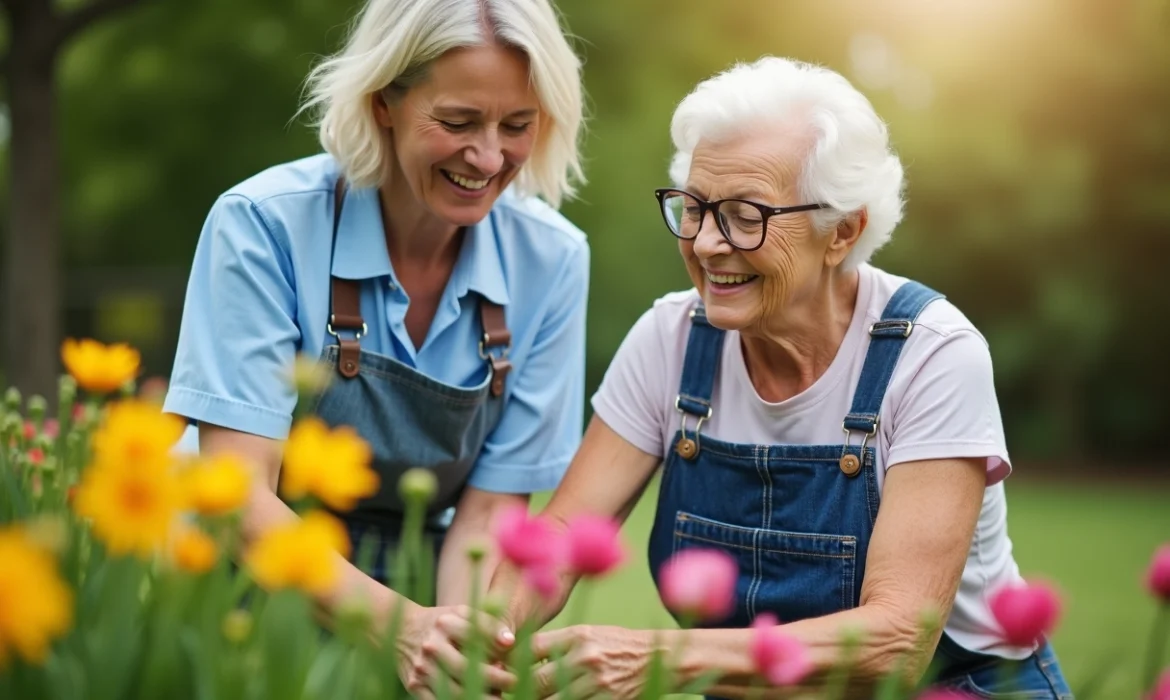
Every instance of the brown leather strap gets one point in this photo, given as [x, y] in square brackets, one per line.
[495, 335]
[346, 311]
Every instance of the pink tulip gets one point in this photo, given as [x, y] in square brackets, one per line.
[1026, 612]
[1162, 688]
[946, 694]
[543, 580]
[1158, 577]
[594, 545]
[779, 657]
[699, 583]
[525, 541]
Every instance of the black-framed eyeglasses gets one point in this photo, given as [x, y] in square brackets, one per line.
[742, 222]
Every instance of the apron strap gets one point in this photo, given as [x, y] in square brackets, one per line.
[346, 308]
[887, 337]
[495, 335]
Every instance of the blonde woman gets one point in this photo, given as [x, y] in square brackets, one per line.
[423, 258]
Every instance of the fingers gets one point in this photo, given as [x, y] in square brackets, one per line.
[546, 644]
[582, 688]
[548, 677]
[455, 664]
[459, 625]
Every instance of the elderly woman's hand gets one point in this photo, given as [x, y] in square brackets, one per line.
[595, 660]
[431, 647]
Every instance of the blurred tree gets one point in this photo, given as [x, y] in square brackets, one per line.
[38, 30]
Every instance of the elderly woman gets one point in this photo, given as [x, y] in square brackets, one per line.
[831, 426]
[422, 258]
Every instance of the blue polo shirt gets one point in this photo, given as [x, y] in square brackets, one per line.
[259, 293]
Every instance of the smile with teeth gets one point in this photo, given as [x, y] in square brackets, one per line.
[729, 279]
[465, 182]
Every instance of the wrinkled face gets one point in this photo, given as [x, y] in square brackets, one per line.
[745, 290]
[463, 133]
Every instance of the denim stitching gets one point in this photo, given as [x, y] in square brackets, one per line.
[749, 548]
[683, 515]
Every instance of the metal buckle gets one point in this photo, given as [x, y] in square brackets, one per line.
[864, 437]
[905, 333]
[357, 335]
[698, 425]
[485, 354]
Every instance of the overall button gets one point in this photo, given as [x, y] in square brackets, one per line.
[850, 465]
[686, 447]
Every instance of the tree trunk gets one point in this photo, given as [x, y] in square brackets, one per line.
[32, 317]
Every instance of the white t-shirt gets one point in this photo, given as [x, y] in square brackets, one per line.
[940, 403]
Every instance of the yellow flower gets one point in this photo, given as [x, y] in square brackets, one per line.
[217, 486]
[332, 465]
[194, 550]
[99, 368]
[132, 507]
[137, 433]
[35, 604]
[301, 554]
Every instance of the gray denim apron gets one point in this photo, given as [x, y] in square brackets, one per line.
[408, 419]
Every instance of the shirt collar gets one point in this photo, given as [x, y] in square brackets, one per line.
[360, 249]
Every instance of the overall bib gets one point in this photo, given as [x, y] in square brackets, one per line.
[798, 518]
[408, 419]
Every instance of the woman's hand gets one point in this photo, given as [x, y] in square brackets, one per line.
[430, 650]
[598, 661]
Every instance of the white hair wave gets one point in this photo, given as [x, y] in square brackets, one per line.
[850, 165]
[393, 42]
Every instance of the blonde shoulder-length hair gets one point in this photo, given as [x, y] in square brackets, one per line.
[391, 45]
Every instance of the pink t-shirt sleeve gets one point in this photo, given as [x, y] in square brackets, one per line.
[631, 397]
[949, 409]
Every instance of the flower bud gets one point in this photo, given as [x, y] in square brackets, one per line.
[66, 390]
[237, 626]
[417, 485]
[12, 399]
[36, 408]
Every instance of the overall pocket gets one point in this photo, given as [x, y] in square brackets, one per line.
[793, 575]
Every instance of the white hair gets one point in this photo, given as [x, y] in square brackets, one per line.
[849, 165]
[391, 45]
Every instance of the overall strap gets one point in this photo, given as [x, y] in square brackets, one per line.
[495, 335]
[704, 346]
[346, 308]
[887, 338]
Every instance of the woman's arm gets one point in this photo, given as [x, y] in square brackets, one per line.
[606, 477]
[916, 557]
[265, 510]
[473, 519]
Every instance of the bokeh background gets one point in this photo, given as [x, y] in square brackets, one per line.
[1036, 140]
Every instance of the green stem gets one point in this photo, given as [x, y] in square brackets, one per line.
[1156, 650]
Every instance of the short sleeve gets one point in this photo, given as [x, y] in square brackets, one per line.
[540, 428]
[950, 409]
[632, 393]
[238, 336]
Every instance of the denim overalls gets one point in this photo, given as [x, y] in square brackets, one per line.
[408, 419]
[798, 518]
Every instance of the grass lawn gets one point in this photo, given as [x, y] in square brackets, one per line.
[1094, 540]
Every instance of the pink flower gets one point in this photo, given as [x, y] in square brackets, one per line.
[525, 541]
[1162, 688]
[779, 657]
[594, 545]
[699, 583]
[1026, 612]
[52, 428]
[1158, 577]
[36, 456]
[30, 430]
[543, 580]
[946, 694]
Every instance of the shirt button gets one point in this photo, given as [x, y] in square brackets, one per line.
[391, 285]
